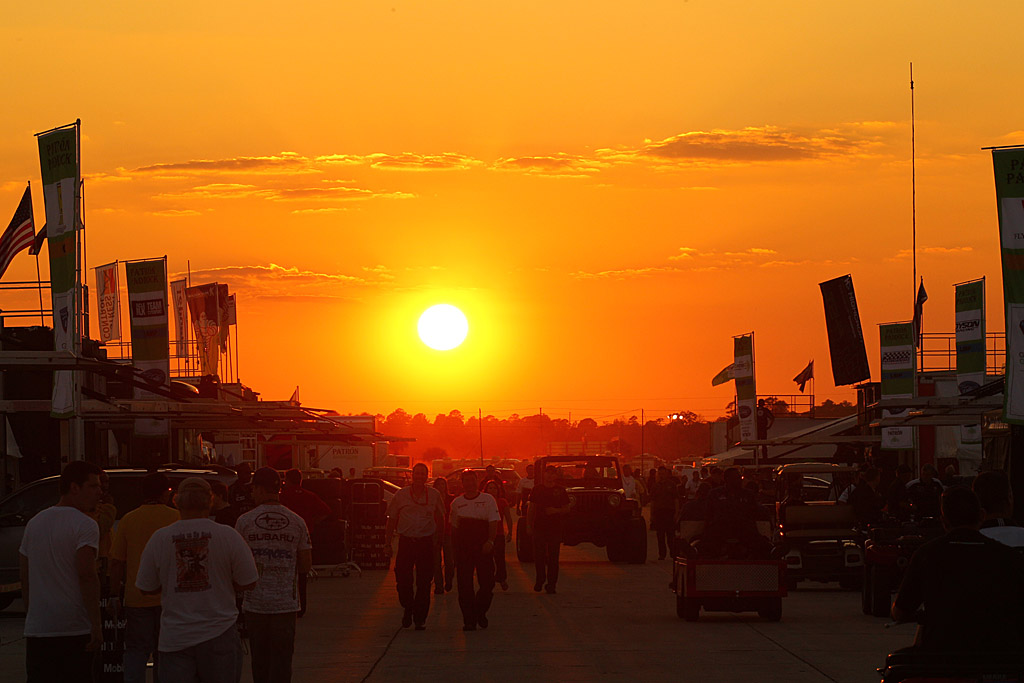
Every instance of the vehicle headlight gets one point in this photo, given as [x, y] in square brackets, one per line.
[572, 499]
[615, 499]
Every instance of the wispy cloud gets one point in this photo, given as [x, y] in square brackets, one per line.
[276, 281]
[406, 161]
[289, 162]
[904, 254]
[561, 165]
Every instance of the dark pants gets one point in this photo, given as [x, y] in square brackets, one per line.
[418, 554]
[444, 563]
[272, 643]
[662, 521]
[469, 558]
[547, 543]
[303, 580]
[141, 635]
[500, 570]
[56, 660]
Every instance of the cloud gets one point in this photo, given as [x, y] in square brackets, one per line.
[406, 161]
[562, 165]
[174, 213]
[904, 254]
[623, 273]
[282, 282]
[337, 191]
[684, 254]
[757, 250]
[289, 162]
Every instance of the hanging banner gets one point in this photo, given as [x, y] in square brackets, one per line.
[147, 302]
[845, 336]
[180, 318]
[232, 311]
[1009, 172]
[898, 379]
[222, 309]
[971, 362]
[205, 311]
[746, 390]
[108, 302]
[61, 171]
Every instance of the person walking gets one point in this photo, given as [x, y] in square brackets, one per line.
[629, 484]
[279, 540]
[475, 520]
[524, 488]
[664, 508]
[196, 565]
[311, 508]
[141, 612]
[59, 583]
[444, 552]
[416, 513]
[497, 491]
[548, 507]
[240, 493]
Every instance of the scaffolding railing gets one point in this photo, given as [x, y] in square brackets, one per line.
[938, 352]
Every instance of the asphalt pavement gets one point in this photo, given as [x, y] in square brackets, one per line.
[608, 622]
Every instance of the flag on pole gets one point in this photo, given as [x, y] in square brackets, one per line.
[922, 296]
[19, 234]
[805, 376]
[37, 243]
[724, 375]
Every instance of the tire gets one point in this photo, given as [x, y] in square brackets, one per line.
[771, 609]
[616, 551]
[688, 608]
[637, 542]
[880, 592]
[524, 542]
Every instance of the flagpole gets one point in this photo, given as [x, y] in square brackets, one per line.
[39, 278]
[913, 182]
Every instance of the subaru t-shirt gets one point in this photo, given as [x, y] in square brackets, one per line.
[276, 535]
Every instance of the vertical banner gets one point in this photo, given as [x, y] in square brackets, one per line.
[898, 379]
[108, 302]
[746, 390]
[147, 301]
[222, 312]
[205, 311]
[845, 335]
[971, 364]
[1009, 171]
[59, 163]
[232, 311]
[180, 318]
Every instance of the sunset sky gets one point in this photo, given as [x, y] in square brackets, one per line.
[610, 191]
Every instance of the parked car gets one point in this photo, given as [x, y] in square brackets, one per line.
[399, 476]
[509, 480]
[600, 513]
[22, 505]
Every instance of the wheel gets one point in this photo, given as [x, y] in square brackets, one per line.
[616, 551]
[771, 609]
[524, 542]
[6, 599]
[880, 598]
[688, 608]
[637, 542]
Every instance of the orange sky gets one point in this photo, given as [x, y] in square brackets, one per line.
[610, 191]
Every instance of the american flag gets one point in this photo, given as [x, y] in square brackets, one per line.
[20, 234]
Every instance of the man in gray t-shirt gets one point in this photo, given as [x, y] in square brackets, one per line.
[417, 513]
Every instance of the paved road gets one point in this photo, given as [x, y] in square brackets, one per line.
[607, 622]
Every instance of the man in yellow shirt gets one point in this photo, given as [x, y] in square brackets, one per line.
[142, 612]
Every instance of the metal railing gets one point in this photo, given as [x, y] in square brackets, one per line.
[938, 352]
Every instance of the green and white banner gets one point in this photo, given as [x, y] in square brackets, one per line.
[898, 379]
[1009, 172]
[746, 389]
[971, 365]
[147, 299]
[61, 171]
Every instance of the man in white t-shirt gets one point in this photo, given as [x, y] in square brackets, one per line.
[416, 512]
[629, 483]
[280, 545]
[197, 565]
[524, 488]
[59, 584]
[475, 520]
[993, 491]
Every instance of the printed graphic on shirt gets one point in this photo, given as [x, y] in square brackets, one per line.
[191, 552]
[272, 521]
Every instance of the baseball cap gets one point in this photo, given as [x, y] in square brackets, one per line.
[194, 484]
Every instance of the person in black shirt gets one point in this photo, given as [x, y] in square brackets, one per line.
[549, 503]
[732, 515]
[925, 493]
[867, 503]
[971, 587]
[897, 499]
[240, 493]
[664, 508]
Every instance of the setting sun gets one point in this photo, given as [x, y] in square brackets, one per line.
[443, 327]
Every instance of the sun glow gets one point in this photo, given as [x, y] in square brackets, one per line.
[443, 327]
